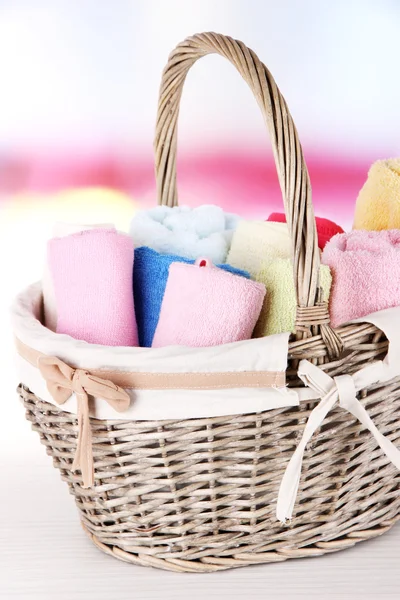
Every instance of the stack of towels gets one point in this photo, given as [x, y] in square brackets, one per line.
[151, 273]
[264, 249]
[108, 288]
[202, 277]
[189, 277]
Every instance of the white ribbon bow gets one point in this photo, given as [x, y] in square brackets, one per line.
[343, 388]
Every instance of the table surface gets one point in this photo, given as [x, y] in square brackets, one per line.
[45, 554]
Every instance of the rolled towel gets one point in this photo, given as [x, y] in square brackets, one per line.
[326, 229]
[378, 203]
[92, 277]
[206, 306]
[149, 280]
[255, 241]
[278, 313]
[49, 299]
[365, 268]
[186, 232]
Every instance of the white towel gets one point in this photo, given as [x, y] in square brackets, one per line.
[49, 299]
[190, 233]
[256, 241]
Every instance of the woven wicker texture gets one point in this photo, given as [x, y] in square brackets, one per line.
[200, 495]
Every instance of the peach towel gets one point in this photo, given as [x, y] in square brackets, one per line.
[378, 203]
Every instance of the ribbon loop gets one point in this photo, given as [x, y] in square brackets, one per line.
[76, 386]
[342, 388]
[347, 391]
[62, 381]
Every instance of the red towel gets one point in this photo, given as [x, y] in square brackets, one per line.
[326, 229]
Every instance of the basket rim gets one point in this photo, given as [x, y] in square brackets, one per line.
[264, 356]
[26, 317]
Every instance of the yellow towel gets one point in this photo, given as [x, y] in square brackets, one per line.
[278, 313]
[378, 203]
[255, 241]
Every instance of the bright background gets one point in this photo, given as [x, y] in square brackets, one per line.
[79, 87]
[78, 100]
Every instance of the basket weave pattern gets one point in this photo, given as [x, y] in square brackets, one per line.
[200, 494]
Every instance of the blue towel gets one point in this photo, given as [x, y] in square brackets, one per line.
[150, 274]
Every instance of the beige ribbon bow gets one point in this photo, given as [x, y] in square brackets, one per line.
[342, 389]
[62, 381]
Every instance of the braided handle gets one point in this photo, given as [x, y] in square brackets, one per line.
[292, 171]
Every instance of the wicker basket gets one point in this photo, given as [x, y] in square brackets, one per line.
[205, 489]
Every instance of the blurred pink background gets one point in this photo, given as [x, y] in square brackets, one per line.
[80, 84]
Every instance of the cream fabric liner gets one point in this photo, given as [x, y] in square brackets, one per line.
[264, 354]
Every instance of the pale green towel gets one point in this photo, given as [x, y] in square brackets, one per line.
[278, 313]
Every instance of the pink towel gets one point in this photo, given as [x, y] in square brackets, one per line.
[365, 267]
[92, 278]
[206, 306]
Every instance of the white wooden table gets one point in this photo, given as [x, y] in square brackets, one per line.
[45, 554]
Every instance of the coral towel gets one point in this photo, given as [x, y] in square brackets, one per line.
[92, 277]
[326, 229]
[149, 280]
[206, 306]
[365, 267]
[378, 203]
[254, 241]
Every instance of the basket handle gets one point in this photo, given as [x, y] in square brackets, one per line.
[294, 180]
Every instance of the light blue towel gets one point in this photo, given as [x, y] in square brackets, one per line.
[203, 231]
[150, 274]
